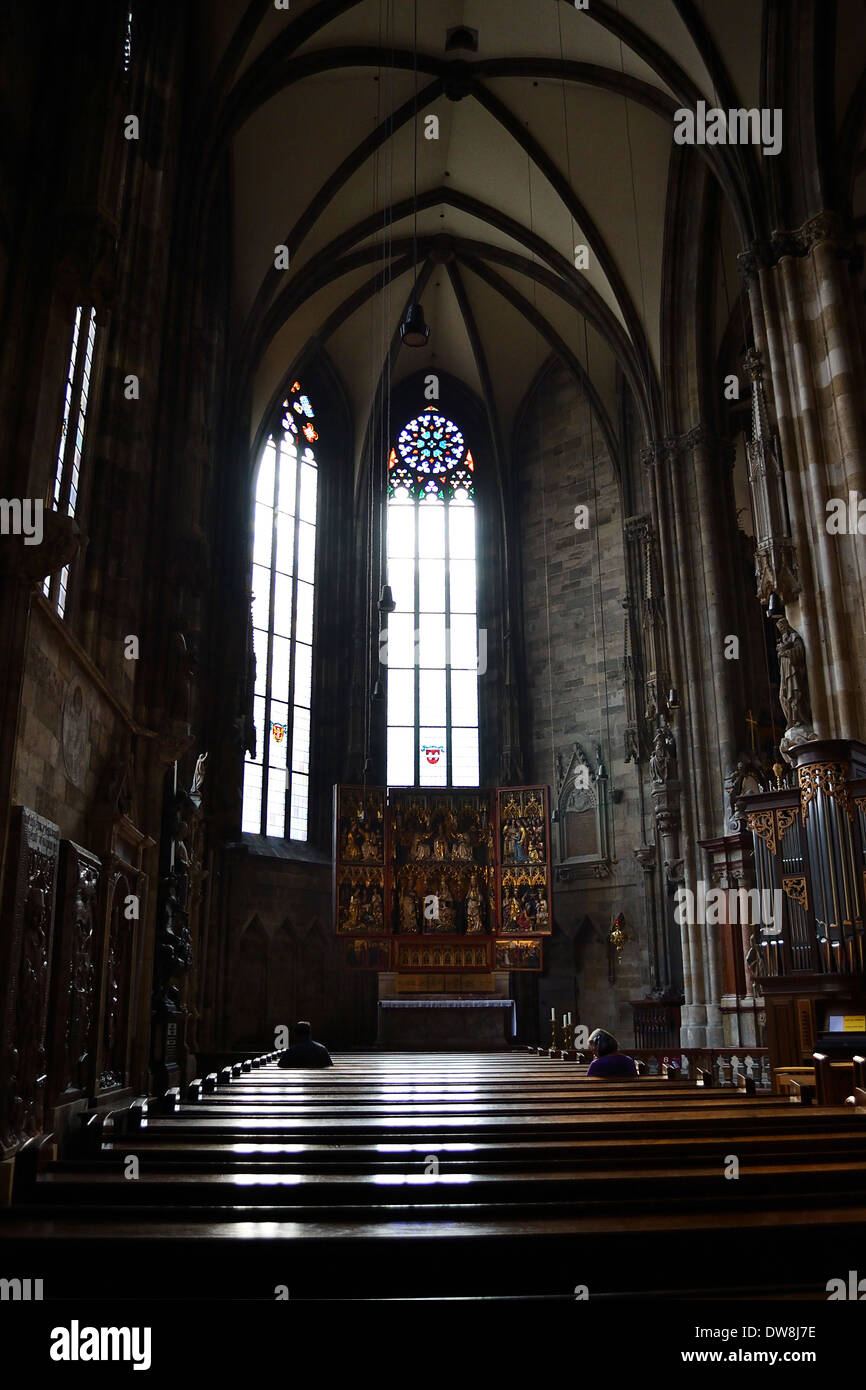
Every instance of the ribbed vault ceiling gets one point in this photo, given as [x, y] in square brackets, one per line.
[556, 132]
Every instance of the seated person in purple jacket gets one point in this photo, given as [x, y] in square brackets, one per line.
[607, 1059]
[303, 1051]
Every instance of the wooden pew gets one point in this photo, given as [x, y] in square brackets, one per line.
[540, 1157]
[834, 1080]
[801, 1092]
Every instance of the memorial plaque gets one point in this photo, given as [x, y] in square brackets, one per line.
[75, 733]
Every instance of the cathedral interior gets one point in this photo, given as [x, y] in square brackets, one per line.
[434, 485]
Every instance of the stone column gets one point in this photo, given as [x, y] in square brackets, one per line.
[801, 294]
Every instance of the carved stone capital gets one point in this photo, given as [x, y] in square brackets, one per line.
[646, 857]
[668, 819]
[675, 870]
[62, 539]
[699, 437]
[175, 739]
[654, 452]
[636, 527]
[826, 226]
[776, 570]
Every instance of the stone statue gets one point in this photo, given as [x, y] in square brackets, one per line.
[793, 690]
[182, 865]
[754, 959]
[663, 757]
[195, 790]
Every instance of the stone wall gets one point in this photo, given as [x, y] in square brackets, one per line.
[69, 731]
[568, 607]
[282, 958]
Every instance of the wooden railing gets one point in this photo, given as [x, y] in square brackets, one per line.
[725, 1063]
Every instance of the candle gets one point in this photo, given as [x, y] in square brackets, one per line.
[553, 1013]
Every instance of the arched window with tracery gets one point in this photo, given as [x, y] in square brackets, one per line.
[432, 639]
[276, 780]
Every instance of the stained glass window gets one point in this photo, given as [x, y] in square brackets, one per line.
[431, 644]
[67, 469]
[276, 781]
[127, 42]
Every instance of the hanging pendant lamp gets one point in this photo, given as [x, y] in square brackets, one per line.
[414, 332]
[386, 602]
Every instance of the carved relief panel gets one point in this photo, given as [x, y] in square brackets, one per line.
[73, 991]
[118, 979]
[25, 951]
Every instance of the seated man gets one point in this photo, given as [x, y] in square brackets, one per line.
[607, 1059]
[303, 1051]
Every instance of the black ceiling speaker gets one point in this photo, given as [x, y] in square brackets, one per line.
[414, 332]
[386, 602]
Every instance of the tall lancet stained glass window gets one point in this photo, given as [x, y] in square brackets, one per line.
[276, 781]
[432, 637]
[67, 468]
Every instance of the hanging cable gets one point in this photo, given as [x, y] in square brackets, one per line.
[565, 118]
[600, 624]
[415, 158]
[543, 489]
